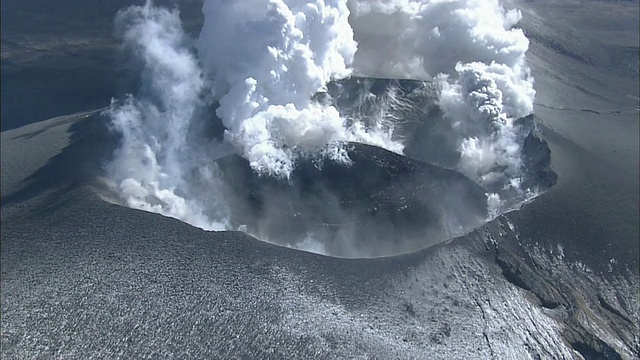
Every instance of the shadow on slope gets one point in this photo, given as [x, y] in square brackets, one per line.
[90, 144]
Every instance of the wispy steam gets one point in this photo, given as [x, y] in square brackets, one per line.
[152, 166]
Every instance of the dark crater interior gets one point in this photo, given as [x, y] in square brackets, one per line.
[382, 203]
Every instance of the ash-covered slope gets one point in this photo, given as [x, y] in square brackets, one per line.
[380, 204]
[85, 278]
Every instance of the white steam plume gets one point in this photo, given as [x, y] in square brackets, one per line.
[268, 58]
[151, 169]
[472, 50]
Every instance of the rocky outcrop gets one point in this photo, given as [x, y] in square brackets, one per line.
[536, 158]
[595, 322]
[517, 272]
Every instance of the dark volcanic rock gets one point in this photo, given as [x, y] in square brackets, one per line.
[589, 345]
[384, 201]
[536, 157]
[517, 272]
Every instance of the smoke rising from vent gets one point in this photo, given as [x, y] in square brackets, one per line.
[263, 70]
[471, 49]
[267, 60]
[152, 168]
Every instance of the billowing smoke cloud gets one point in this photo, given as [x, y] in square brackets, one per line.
[264, 60]
[471, 49]
[267, 59]
[261, 66]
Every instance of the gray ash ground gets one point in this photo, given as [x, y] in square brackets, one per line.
[82, 278]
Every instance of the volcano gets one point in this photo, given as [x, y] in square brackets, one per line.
[364, 249]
